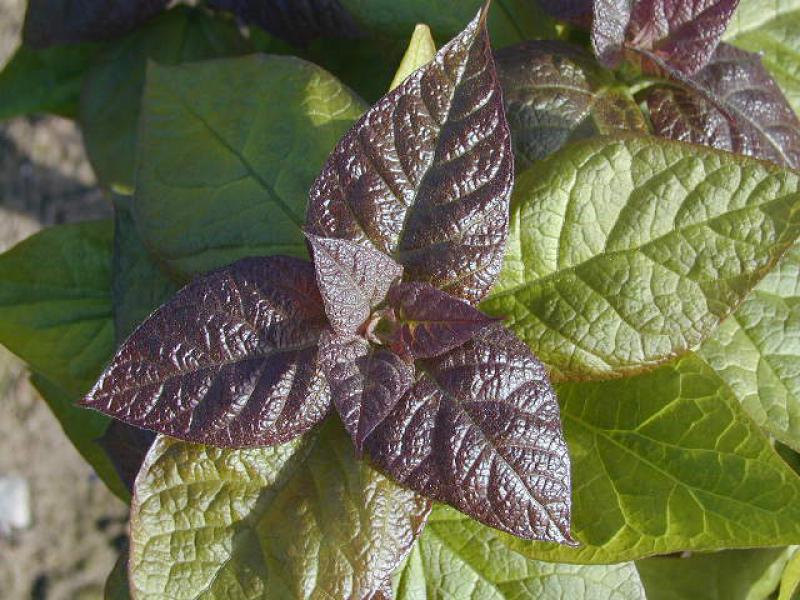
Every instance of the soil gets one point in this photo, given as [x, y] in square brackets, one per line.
[77, 526]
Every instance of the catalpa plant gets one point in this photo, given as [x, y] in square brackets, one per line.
[525, 326]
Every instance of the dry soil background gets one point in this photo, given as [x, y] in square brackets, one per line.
[71, 544]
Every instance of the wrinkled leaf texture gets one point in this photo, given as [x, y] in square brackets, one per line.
[425, 175]
[231, 360]
[732, 104]
[49, 22]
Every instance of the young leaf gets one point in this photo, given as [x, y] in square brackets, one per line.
[225, 174]
[301, 520]
[556, 92]
[421, 50]
[352, 279]
[680, 33]
[625, 252]
[432, 322]
[457, 557]
[772, 30]
[480, 430]
[425, 175]
[757, 351]
[366, 383]
[112, 94]
[732, 104]
[49, 22]
[731, 574]
[665, 462]
[231, 360]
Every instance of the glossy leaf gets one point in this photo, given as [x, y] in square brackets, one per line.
[112, 94]
[231, 360]
[731, 574]
[665, 462]
[431, 322]
[790, 580]
[625, 252]
[49, 22]
[680, 33]
[421, 50]
[301, 520]
[297, 21]
[757, 351]
[555, 93]
[44, 81]
[366, 383]
[771, 30]
[480, 430]
[425, 175]
[55, 303]
[457, 557]
[732, 104]
[352, 279]
[139, 283]
[225, 174]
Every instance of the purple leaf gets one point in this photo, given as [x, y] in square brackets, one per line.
[480, 430]
[230, 361]
[426, 174]
[682, 33]
[732, 104]
[578, 12]
[49, 22]
[432, 322]
[366, 383]
[353, 279]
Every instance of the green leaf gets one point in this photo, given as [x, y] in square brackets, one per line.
[55, 303]
[421, 50]
[790, 580]
[510, 21]
[139, 283]
[625, 252]
[225, 174]
[45, 81]
[771, 29]
[300, 520]
[457, 557]
[83, 428]
[732, 575]
[110, 104]
[757, 351]
[668, 461]
[116, 587]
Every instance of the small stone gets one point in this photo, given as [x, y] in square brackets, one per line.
[15, 505]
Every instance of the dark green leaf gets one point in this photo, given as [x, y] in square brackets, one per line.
[117, 583]
[225, 174]
[302, 520]
[625, 252]
[126, 447]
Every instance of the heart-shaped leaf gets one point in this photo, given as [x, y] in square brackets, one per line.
[231, 360]
[353, 279]
[431, 322]
[556, 92]
[480, 430]
[681, 33]
[49, 22]
[625, 252]
[732, 104]
[304, 520]
[425, 175]
[366, 383]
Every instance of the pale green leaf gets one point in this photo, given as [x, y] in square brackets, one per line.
[421, 50]
[728, 575]
[457, 557]
[226, 173]
[790, 580]
[668, 461]
[757, 351]
[301, 520]
[624, 252]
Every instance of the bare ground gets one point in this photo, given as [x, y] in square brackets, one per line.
[77, 524]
